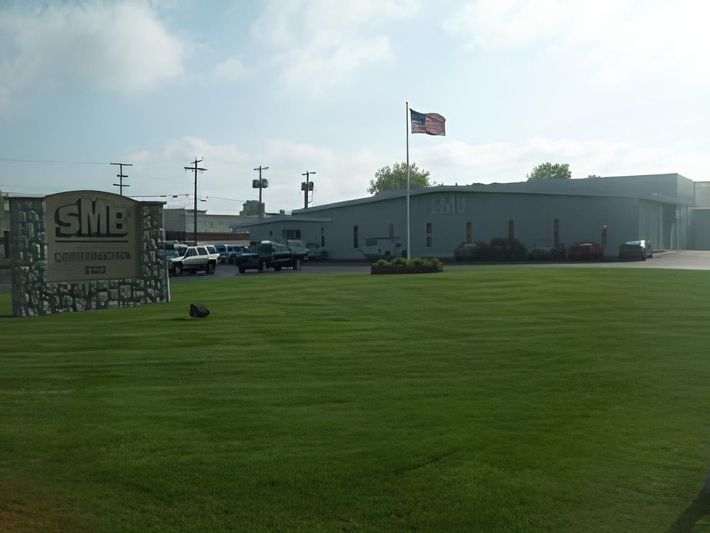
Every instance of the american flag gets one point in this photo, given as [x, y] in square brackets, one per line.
[429, 123]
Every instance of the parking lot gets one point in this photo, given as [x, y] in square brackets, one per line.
[683, 260]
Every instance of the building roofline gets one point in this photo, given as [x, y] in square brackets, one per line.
[516, 187]
[284, 218]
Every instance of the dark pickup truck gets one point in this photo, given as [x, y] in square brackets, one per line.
[269, 254]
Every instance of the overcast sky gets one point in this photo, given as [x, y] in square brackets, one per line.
[610, 87]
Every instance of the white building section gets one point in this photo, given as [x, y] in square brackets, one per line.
[606, 210]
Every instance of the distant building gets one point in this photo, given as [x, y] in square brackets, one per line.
[607, 210]
[180, 223]
[4, 228]
[701, 216]
[250, 208]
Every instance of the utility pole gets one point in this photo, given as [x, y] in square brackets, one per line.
[195, 168]
[120, 176]
[306, 187]
[261, 183]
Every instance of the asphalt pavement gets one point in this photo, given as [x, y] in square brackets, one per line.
[681, 260]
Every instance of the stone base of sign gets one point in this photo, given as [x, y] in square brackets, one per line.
[32, 295]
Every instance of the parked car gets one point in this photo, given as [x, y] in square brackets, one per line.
[544, 250]
[214, 254]
[468, 251]
[193, 259]
[268, 254]
[635, 250]
[169, 256]
[223, 251]
[316, 251]
[585, 251]
[227, 252]
[236, 251]
[248, 259]
[298, 249]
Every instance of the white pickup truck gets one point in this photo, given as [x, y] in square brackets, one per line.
[193, 259]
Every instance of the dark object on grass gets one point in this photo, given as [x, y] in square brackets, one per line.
[198, 311]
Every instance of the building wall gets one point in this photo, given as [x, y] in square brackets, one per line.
[653, 207]
[579, 218]
[312, 232]
[702, 194]
[651, 225]
[180, 223]
[701, 228]
[4, 228]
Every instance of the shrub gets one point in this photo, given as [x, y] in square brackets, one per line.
[414, 262]
[473, 251]
[502, 249]
[498, 249]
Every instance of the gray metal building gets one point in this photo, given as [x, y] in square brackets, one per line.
[179, 225]
[652, 207]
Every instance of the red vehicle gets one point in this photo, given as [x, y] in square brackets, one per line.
[585, 251]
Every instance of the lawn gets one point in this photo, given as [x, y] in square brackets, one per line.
[486, 399]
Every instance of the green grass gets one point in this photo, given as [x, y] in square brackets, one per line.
[484, 399]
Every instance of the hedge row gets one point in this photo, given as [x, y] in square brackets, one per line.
[413, 262]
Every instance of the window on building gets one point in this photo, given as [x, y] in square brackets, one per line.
[355, 237]
[292, 234]
[391, 231]
[322, 237]
[556, 232]
[469, 233]
[428, 234]
[511, 230]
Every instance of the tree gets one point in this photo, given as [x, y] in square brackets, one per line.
[395, 177]
[550, 171]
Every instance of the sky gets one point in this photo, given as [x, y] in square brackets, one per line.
[610, 87]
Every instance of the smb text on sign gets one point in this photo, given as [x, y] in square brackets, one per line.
[92, 236]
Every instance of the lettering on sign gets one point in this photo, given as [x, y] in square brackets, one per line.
[448, 204]
[87, 218]
[92, 235]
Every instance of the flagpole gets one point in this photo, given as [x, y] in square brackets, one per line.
[406, 125]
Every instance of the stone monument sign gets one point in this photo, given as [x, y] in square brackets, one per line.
[91, 236]
[83, 250]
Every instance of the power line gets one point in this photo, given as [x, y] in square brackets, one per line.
[161, 195]
[51, 162]
[227, 199]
